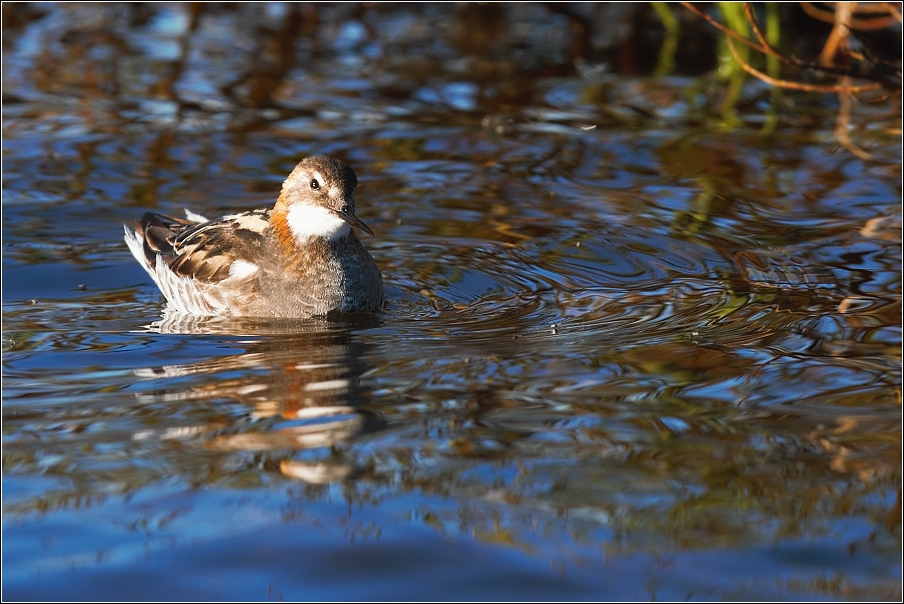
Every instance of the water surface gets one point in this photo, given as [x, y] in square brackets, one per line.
[629, 353]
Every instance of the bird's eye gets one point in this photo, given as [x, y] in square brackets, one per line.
[314, 184]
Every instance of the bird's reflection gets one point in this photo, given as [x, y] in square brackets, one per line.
[300, 380]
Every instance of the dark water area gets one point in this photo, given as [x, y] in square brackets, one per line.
[630, 352]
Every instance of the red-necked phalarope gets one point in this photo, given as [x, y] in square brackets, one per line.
[299, 259]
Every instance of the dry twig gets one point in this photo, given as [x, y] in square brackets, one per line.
[859, 24]
[797, 85]
[832, 45]
[839, 38]
[837, 46]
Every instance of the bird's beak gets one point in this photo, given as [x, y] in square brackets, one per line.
[346, 215]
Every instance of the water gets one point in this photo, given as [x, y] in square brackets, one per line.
[628, 353]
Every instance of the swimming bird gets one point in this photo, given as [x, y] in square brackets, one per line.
[297, 260]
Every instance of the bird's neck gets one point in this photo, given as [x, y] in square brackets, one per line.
[298, 224]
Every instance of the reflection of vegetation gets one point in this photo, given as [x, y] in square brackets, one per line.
[730, 70]
[835, 60]
[666, 63]
[257, 82]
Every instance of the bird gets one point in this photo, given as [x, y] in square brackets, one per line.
[299, 259]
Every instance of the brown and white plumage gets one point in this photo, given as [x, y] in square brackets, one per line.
[297, 260]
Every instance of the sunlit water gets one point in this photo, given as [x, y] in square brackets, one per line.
[624, 356]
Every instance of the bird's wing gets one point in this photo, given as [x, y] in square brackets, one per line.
[208, 252]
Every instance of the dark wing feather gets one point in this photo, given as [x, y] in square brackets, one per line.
[202, 251]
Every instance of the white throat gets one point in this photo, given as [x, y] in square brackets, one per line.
[306, 221]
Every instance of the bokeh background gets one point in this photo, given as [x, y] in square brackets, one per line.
[644, 328]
